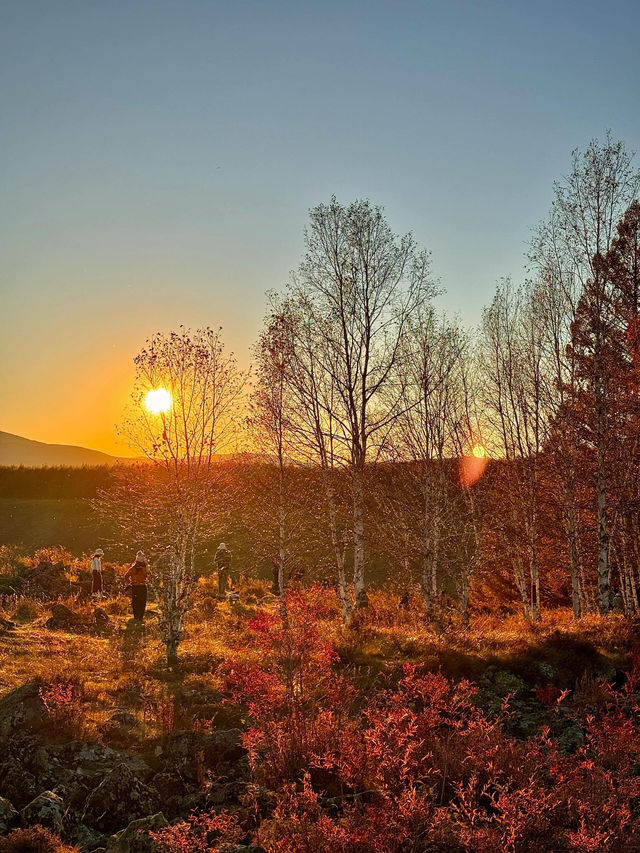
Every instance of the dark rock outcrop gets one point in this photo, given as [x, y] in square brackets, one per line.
[135, 838]
[46, 810]
[195, 754]
[8, 816]
[100, 622]
[119, 798]
[22, 710]
[64, 619]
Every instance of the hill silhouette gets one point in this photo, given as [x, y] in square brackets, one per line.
[16, 450]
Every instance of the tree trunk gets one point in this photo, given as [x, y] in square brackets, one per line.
[426, 582]
[601, 492]
[359, 584]
[534, 576]
[573, 548]
[338, 551]
[281, 545]
[171, 644]
[463, 597]
[519, 575]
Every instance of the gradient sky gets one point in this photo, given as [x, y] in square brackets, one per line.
[158, 159]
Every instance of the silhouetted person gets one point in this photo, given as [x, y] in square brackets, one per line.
[223, 567]
[97, 585]
[137, 575]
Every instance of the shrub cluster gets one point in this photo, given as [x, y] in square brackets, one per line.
[413, 763]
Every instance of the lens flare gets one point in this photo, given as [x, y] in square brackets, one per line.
[473, 466]
[158, 400]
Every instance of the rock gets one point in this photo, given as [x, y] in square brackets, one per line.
[87, 839]
[135, 838]
[75, 769]
[48, 580]
[123, 719]
[8, 816]
[22, 710]
[64, 619]
[232, 597]
[121, 796]
[101, 624]
[194, 754]
[46, 810]
[17, 782]
[172, 790]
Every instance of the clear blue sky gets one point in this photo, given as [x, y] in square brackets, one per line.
[157, 161]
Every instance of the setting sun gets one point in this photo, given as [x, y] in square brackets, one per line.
[479, 451]
[158, 400]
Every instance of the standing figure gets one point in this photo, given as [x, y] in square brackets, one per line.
[137, 577]
[223, 566]
[97, 587]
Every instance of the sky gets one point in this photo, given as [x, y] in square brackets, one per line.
[158, 160]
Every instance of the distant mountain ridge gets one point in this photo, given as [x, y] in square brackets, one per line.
[16, 450]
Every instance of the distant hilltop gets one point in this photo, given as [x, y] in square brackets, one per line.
[16, 450]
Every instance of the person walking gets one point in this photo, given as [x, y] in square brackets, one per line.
[137, 575]
[97, 586]
[223, 566]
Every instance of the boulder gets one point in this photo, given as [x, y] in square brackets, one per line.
[8, 816]
[78, 767]
[46, 810]
[64, 619]
[16, 782]
[22, 710]
[100, 622]
[172, 790]
[120, 797]
[87, 839]
[193, 754]
[135, 838]
[123, 719]
[48, 580]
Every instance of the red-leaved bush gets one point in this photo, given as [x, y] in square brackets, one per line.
[411, 764]
[415, 765]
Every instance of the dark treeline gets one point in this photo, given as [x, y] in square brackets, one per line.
[53, 483]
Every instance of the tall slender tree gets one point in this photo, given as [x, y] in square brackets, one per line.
[171, 503]
[357, 287]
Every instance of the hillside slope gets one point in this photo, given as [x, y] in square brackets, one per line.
[15, 450]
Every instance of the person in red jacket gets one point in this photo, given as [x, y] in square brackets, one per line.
[137, 575]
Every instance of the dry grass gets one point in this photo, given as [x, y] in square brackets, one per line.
[115, 673]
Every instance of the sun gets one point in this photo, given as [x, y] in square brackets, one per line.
[158, 400]
[479, 451]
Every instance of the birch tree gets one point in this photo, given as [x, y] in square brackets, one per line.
[182, 430]
[357, 287]
[513, 370]
[426, 376]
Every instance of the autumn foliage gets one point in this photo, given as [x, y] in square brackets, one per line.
[409, 761]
